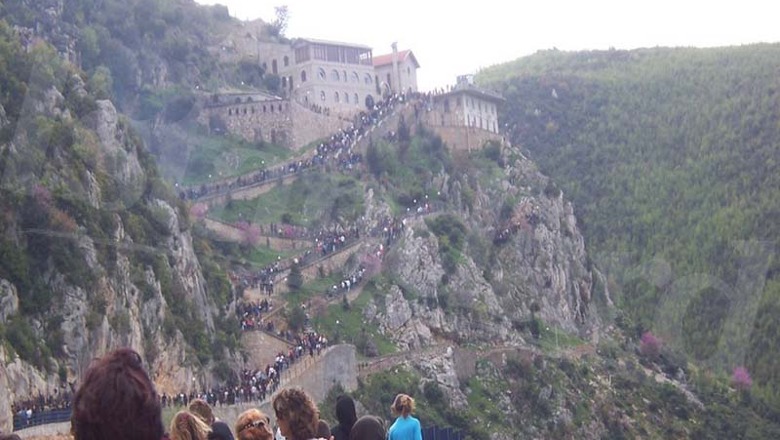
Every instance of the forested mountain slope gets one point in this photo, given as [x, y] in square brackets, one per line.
[671, 157]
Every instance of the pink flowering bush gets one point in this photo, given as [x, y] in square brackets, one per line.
[199, 210]
[649, 345]
[740, 379]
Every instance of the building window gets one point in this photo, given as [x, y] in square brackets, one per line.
[344, 74]
[253, 110]
[272, 108]
[346, 97]
[334, 75]
[265, 109]
[408, 71]
[274, 68]
[321, 74]
[357, 100]
[322, 95]
[367, 79]
[336, 96]
[286, 61]
[230, 112]
[355, 77]
[280, 107]
[303, 76]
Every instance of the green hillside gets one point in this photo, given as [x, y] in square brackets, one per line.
[671, 158]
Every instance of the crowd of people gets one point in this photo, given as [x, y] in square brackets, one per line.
[336, 151]
[117, 400]
[251, 313]
[27, 412]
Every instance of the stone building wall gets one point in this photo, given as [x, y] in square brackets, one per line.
[309, 126]
[255, 121]
[461, 138]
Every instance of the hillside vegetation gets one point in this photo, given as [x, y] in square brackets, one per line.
[671, 158]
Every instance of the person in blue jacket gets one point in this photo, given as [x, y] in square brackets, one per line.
[406, 426]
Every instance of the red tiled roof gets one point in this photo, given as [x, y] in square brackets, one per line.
[383, 60]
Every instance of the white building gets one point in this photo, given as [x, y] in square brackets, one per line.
[332, 75]
[396, 71]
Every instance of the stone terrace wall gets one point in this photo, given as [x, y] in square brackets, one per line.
[462, 138]
[309, 126]
[256, 121]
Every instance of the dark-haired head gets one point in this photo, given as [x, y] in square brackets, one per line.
[117, 401]
[368, 428]
[345, 412]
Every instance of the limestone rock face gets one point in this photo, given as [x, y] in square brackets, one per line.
[9, 300]
[441, 370]
[118, 155]
[540, 261]
[3, 118]
[132, 290]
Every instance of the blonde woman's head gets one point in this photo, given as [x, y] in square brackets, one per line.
[403, 405]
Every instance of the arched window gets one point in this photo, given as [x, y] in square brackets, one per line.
[336, 96]
[286, 61]
[280, 107]
[322, 95]
[346, 97]
[230, 112]
[321, 74]
[272, 108]
[303, 76]
[357, 100]
[344, 74]
[265, 110]
[238, 100]
[274, 68]
[355, 77]
[334, 75]
[367, 79]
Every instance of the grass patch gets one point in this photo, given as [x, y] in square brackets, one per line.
[312, 200]
[552, 339]
[227, 156]
[351, 324]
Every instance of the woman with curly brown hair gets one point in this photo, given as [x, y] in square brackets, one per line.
[117, 401]
[296, 414]
[253, 424]
[187, 426]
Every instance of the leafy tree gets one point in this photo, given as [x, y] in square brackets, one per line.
[295, 278]
[279, 25]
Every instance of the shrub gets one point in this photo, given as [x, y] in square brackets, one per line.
[650, 345]
[740, 379]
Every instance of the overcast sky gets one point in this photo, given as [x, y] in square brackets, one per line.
[453, 37]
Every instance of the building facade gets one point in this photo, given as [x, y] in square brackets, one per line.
[466, 116]
[397, 71]
[329, 75]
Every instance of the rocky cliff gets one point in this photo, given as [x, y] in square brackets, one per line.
[523, 258]
[96, 254]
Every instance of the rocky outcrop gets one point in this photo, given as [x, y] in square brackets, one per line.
[538, 263]
[9, 300]
[129, 298]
